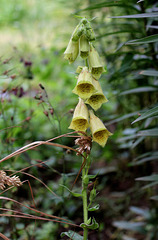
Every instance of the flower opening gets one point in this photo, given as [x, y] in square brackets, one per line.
[84, 88]
[97, 98]
[84, 47]
[99, 132]
[80, 117]
[71, 51]
[95, 64]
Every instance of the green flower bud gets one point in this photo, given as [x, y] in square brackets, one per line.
[95, 64]
[80, 117]
[99, 132]
[79, 69]
[78, 32]
[84, 47]
[97, 98]
[84, 87]
[71, 51]
[89, 32]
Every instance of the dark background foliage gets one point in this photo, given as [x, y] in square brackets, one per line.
[37, 102]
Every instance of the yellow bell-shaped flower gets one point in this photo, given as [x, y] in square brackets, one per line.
[95, 64]
[84, 87]
[80, 117]
[71, 51]
[99, 132]
[84, 47]
[97, 98]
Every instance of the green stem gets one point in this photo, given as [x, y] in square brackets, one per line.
[84, 198]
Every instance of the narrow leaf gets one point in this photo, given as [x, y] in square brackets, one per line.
[152, 73]
[149, 113]
[149, 39]
[153, 177]
[149, 133]
[108, 4]
[154, 198]
[142, 15]
[73, 194]
[140, 211]
[134, 226]
[138, 90]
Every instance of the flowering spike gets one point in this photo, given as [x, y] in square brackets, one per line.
[80, 118]
[72, 51]
[84, 88]
[95, 64]
[84, 47]
[99, 132]
[97, 98]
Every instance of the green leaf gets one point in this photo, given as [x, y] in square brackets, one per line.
[149, 113]
[92, 226]
[138, 90]
[154, 198]
[108, 4]
[126, 116]
[149, 133]
[114, 33]
[95, 208]
[152, 73]
[153, 177]
[73, 194]
[144, 160]
[140, 211]
[149, 39]
[139, 140]
[72, 235]
[150, 185]
[142, 15]
[134, 226]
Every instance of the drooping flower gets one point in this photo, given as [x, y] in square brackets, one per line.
[84, 47]
[84, 87]
[80, 117]
[97, 98]
[71, 51]
[99, 132]
[95, 64]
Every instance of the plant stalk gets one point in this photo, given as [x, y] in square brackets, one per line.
[84, 198]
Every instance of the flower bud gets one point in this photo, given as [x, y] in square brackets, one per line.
[79, 69]
[84, 47]
[89, 32]
[95, 64]
[80, 117]
[99, 132]
[84, 87]
[97, 98]
[71, 51]
[78, 32]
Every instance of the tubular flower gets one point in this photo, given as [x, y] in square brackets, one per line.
[95, 64]
[97, 98]
[80, 118]
[99, 132]
[84, 88]
[84, 47]
[71, 51]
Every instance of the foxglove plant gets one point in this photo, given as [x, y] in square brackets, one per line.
[90, 97]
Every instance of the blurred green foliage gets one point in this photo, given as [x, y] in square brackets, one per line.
[35, 35]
